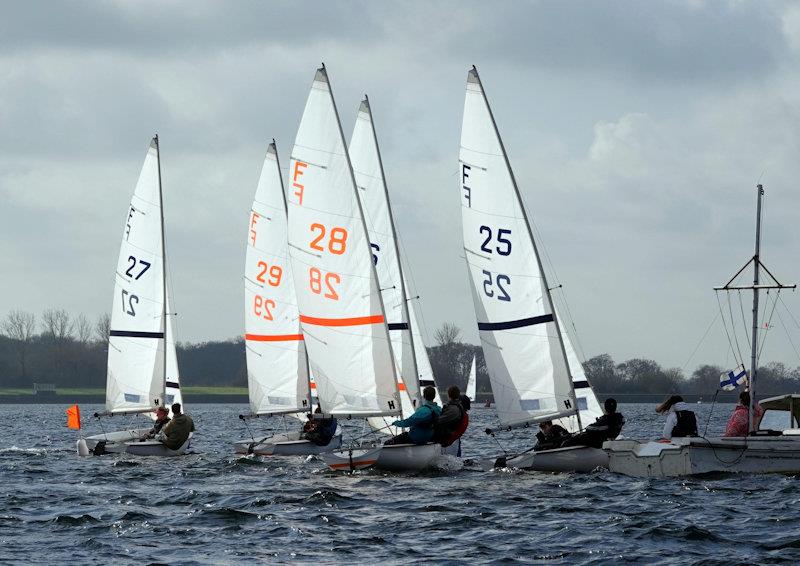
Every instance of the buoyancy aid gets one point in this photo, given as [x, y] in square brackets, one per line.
[686, 426]
[457, 432]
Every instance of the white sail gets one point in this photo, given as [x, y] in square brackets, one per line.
[424, 369]
[277, 371]
[524, 355]
[372, 191]
[472, 380]
[135, 379]
[341, 311]
[588, 404]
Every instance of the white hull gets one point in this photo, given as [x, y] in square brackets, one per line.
[570, 459]
[127, 442]
[394, 458]
[115, 441]
[692, 456]
[288, 444]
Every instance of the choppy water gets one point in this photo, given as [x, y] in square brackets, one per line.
[214, 508]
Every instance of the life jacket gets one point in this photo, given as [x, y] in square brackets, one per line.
[457, 432]
[686, 425]
[431, 422]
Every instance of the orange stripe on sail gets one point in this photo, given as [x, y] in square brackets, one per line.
[273, 337]
[355, 321]
[401, 386]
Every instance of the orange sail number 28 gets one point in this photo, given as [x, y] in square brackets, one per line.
[337, 245]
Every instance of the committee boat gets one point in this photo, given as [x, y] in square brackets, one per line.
[278, 379]
[773, 443]
[341, 308]
[532, 366]
[142, 362]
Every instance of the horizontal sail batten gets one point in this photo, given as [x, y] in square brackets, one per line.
[520, 323]
[136, 334]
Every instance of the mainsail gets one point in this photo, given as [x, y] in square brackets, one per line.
[136, 363]
[374, 196]
[472, 380]
[277, 368]
[520, 335]
[341, 310]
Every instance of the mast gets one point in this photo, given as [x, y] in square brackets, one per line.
[286, 210]
[163, 272]
[324, 71]
[535, 250]
[754, 341]
[403, 292]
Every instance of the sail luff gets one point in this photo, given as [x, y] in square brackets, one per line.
[411, 385]
[277, 369]
[342, 314]
[535, 247]
[163, 271]
[521, 335]
[364, 226]
[274, 148]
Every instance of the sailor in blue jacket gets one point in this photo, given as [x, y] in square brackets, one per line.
[421, 422]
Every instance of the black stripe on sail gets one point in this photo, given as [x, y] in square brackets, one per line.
[398, 326]
[427, 382]
[136, 334]
[580, 384]
[534, 320]
[173, 384]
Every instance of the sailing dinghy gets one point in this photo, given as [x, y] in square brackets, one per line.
[526, 352]
[342, 313]
[142, 362]
[772, 445]
[278, 379]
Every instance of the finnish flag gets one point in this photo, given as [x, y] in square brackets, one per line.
[733, 379]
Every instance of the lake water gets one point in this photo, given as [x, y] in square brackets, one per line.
[213, 507]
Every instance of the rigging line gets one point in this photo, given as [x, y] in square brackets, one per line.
[701, 342]
[733, 331]
[789, 336]
[768, 322]
[744, 322]
[790, 312]
[725, 325]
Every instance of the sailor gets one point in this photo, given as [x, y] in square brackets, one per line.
[739, 422]
[453, 421]
[606, 427]
[421, 422]
[550, 436]
[320, 431]
[162, 418]
[177, 431]
[680, 420]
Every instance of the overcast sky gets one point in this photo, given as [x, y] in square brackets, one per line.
[637, 131]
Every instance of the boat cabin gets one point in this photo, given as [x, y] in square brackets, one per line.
[781, 413]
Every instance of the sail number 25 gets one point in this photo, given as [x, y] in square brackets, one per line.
[496, 285]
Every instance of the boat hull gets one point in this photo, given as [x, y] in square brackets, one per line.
[393, 458]
[114, 441]
[695, 456]
[288, 444]
[570, 459]
[155, 448]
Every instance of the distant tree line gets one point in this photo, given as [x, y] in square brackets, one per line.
[71, 351]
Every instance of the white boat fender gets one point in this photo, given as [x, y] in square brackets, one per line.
[83, 449]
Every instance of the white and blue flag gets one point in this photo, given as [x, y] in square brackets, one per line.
[733, 379]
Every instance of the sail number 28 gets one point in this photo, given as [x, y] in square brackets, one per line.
[323, 283]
